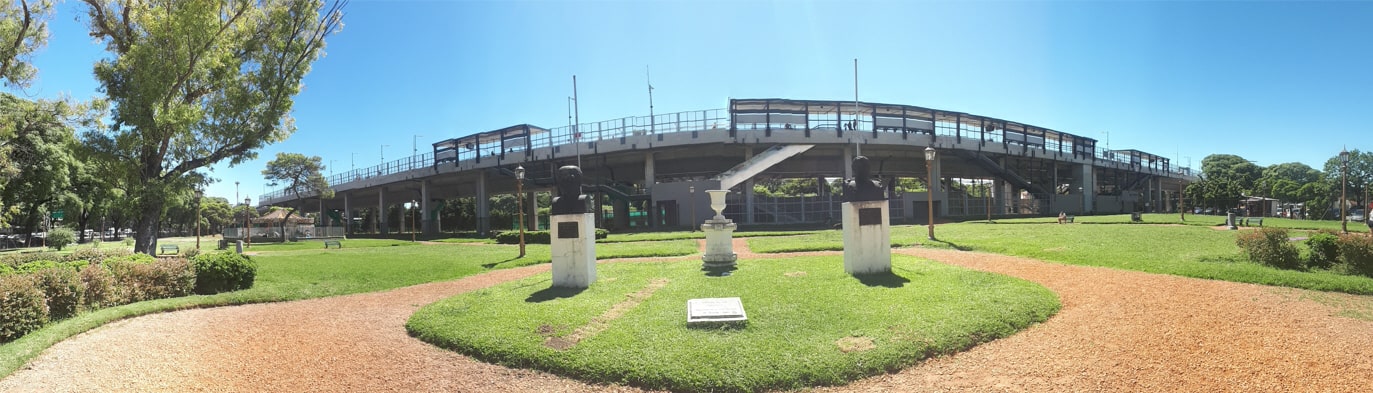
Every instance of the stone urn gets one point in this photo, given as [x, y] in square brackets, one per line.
[717, 202]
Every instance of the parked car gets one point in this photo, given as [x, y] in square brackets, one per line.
[1355, 215]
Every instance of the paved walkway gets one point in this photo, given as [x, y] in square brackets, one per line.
[1118, 331]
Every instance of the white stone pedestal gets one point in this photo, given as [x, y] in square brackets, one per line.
[719, 243]
[574, 250]
[867, 237]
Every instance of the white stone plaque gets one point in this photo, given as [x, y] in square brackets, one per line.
[720, 309]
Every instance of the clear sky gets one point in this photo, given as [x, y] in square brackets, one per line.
[1273, 82]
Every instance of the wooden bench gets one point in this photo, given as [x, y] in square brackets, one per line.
[1250, 221]
[163, 249]
[1070, 219]
[334, 243]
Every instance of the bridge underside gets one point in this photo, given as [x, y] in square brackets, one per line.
[648, 174]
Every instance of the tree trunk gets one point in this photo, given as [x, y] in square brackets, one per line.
[145, 230]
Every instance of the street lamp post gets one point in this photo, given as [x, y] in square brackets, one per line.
[519, 197]
[1344, 172]
[930, 155]
[692, 190]
[247, 223]
[198, 195]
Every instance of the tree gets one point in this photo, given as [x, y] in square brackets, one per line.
[197, 82]
[23, 30]
[1284, 181]
[301, 175]
[42, 141]
[1360, 174]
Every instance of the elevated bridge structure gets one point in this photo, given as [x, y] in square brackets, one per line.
[660, 166]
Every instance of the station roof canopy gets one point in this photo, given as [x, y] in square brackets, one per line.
[494, 136]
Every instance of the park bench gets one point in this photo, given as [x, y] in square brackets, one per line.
[163, 249]
[1070, 219]
[1250, 221]
[334, 243]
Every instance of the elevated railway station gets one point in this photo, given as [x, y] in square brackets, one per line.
[652, 172]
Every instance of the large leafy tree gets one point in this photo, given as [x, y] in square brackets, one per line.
[43, 141]
[23, 30]
[1360, 174]
[198, 82]
[1224, 180]
[301, 175]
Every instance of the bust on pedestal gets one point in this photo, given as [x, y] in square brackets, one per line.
[866, 220]
[573, 242]
[719, 234]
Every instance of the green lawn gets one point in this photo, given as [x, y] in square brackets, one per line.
[1191, 219]
[1185, 250]
[809, 323]
[304, 270]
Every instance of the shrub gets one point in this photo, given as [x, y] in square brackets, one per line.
[62, 290]
[1269, 246]
[217, 272]
[95, 255]
[16, 260]
[1324, 250]
[136, 281]
[99, 284]
[190, 253]
[537, 237]
[61, 237]
[1356, 253]
[22, 309]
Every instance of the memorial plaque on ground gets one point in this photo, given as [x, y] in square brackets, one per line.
[722, 309]
[567, 230]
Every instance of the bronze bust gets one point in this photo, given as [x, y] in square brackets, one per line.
[862, 187]
[570, 199]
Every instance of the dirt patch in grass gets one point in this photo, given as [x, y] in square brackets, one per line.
[794, 274]
[855, 344]
[601, 322]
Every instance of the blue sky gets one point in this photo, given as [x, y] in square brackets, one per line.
[1272, 82]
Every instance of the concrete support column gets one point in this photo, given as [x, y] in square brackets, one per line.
[1087, 180]
[649, 181]
[748, 190]
[381, 211]
[941, 194]
[426, 217]
[848, 163]
[483, 207]
[347, 214]
[620, 208]
[531, 214]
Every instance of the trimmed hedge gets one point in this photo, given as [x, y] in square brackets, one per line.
[1356, 253]
[1324, 250]
[537, 237]
[1269, 246]
[163, 278]
[99, 283]
[62, 290]
[22, 309]
[217, 272]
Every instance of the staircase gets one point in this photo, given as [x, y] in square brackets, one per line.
[759, 163]
[1002, 172]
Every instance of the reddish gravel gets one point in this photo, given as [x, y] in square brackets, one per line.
[1118, 331]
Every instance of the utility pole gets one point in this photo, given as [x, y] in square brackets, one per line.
[859, 146]
[651, 121]
[577, 123]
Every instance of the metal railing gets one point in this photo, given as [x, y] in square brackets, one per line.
[700, 120]
[709, 119]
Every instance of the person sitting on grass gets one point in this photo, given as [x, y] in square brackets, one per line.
[1062, 218]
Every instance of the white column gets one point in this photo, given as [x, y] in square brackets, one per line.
[483, 205]
[426, 223]
[748, 190]
[381, 210]
[1087, 180]
[573, 252]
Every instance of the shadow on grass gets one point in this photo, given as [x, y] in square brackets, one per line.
[719, 271]
[887, 280]
[953, 245]
[551, 293]
[494, 264]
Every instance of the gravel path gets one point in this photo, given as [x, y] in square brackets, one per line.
[1118, 331]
